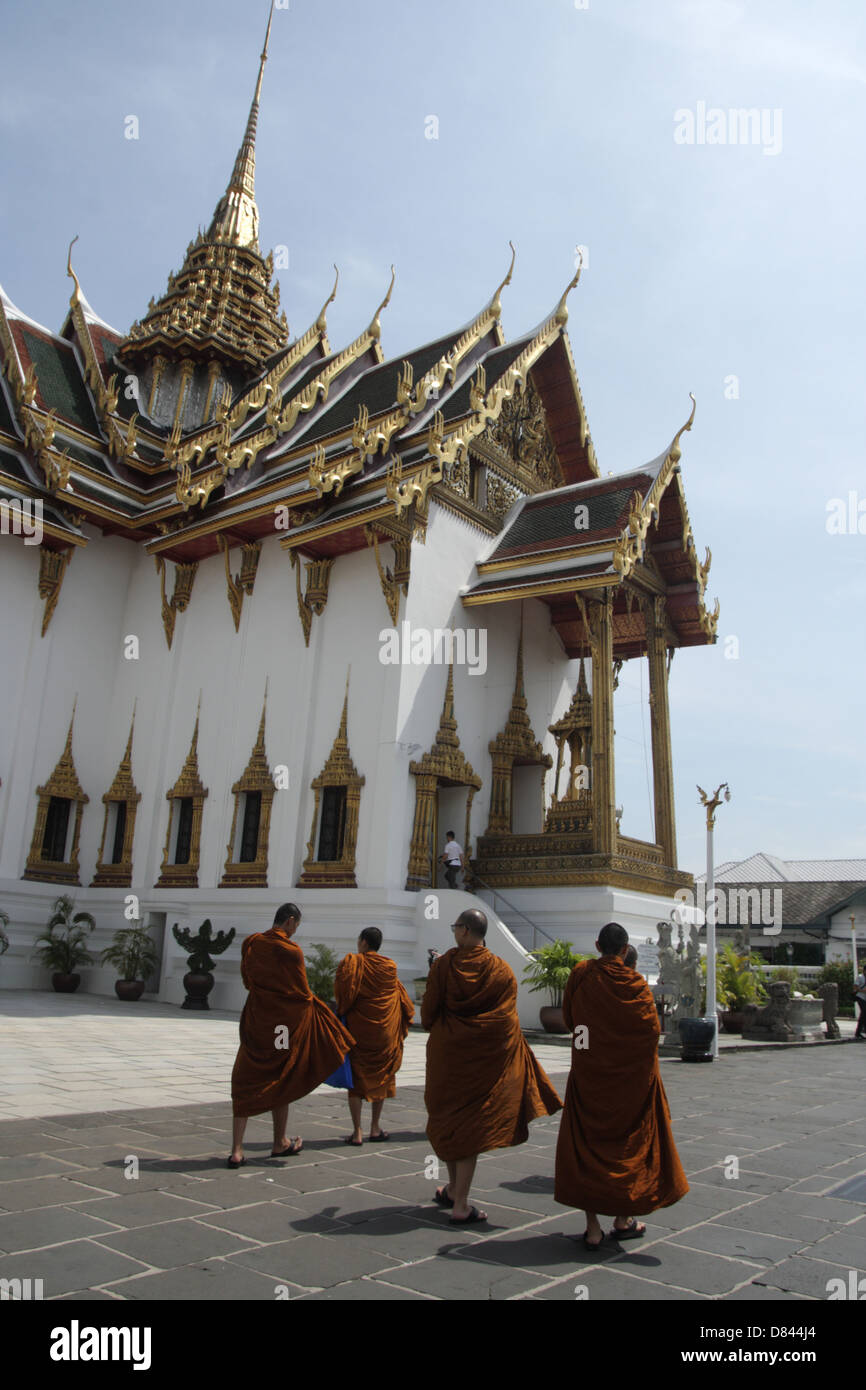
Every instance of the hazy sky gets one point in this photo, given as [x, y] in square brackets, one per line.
[732, 270]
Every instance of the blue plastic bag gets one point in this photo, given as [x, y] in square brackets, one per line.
[342, 1077]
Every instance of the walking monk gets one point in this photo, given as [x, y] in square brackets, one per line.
[290, 1040]
[616, 1151]
[483, 1083]
[378, 1012]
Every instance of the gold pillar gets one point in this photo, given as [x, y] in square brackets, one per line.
[663, 773]
[603, 793]
[420, 873]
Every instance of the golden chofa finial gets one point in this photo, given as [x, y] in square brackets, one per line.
[76, 293]
[495, 304]
[321, 321]
[375, 329]
[675, 452]
[561, 312]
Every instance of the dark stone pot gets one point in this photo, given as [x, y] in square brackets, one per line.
[696, 1036]
[65, 984]
[198, 986]
[552, 1019]
[732, 1020]
[129, 989]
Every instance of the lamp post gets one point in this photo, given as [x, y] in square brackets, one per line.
[712, 804]
[854, 950]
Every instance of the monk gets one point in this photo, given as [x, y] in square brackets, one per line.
[483, 1083]
[615, 1151]
[290, 1040]
[378, 1012]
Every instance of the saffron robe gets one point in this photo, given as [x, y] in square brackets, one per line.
[615, 1153]
[484, 1084]
[378, 1012]
[290, 1040]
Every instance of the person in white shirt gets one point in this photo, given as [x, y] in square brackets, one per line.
[452, 858]
[860, 998]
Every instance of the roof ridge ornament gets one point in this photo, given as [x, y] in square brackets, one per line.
[560, 314]
[321, 321]
[375, 329]
[75, 297]
[495, 306]
[675, 452]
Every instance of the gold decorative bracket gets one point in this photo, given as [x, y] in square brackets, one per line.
[318, 578]
[184, 575]
[52, 568]
[244, 583]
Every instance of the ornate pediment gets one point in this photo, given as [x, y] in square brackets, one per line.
[520, 431]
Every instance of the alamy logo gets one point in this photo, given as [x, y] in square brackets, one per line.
[737, 906]
[736, 126]
[19, 518]
[77, 1343]
[424, 646]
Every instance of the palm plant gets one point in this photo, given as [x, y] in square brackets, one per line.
[133, 953]
[61, 946]
[549, 968]
[321, 969]
[738, 979]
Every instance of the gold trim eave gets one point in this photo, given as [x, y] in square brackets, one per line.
[567, 553]
[380, 511]
[541, 590]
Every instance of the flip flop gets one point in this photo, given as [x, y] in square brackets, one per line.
[355, 1143]
[474, 1215]
[633, 1231]
[591, 1244]
[441, 1197]
[379, 1138]
[235, 1162]
[294, 1147]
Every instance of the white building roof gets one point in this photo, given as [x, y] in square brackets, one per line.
[769, 868]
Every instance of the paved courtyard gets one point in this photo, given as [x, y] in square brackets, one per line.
[114, 1130]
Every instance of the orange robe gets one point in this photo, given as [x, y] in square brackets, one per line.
[267, 1073]
[615, 1152]
[378, 1012]
[484, 1084]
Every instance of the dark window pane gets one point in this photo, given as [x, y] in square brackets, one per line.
[119, 832]
[333, 823]
[56, 827]
[250, 831]
[184, 831]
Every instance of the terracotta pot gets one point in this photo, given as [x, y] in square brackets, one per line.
[732, 1020]
[552, 1020]
[696, 1035]
[198, 986]
[129, 989]
[65, 984]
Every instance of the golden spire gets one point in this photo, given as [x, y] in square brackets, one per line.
[446, 735]
[259, 746]
[236, 219]
[343, 734]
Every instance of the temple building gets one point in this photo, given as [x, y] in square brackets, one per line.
[277, 614]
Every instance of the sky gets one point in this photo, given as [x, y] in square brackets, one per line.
[428, 136]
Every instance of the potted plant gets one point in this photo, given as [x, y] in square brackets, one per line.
[61, 946]
[738, 983]
[321, 969]
[549, 969]
[198, 981]
[134, 953]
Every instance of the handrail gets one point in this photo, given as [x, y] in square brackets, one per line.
[534, 925]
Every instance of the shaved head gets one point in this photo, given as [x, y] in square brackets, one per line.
[475, 921]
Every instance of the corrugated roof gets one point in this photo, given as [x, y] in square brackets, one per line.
[768, 868]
